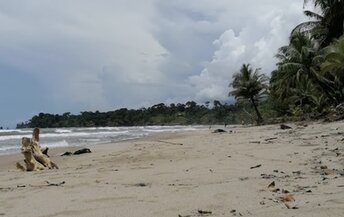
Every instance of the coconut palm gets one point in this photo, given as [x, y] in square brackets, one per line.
[295, 65]
[249, 84]
[299, 62]
[333, 67]
[327, 22]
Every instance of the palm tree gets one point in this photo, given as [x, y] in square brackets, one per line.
[299, 62]
[326, 24]
[294, 66]
[249, 84]
[333, 67]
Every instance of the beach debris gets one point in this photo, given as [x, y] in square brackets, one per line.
[297, 172]
[285, 127]
[82, 151]
[243, 178]
[67, 153]
[257, 142]
[267, 176]
[275, 190]
[49, 184]
[219, 131]
[287, 198]
[78, 152]
[184, 215]
[204, 212]
[172, 143]
[257, 166]
[141, 184]
[272, 188]
[235, 213]
[35, 159]
[269, 139]
[285, 191]
[55, 184]
[272, 185]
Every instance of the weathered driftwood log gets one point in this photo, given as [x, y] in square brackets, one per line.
[35, 159]
[30, 162]
[37, 151]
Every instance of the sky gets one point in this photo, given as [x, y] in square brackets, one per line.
[85, 55]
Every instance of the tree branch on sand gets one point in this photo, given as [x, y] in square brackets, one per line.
[35, 159]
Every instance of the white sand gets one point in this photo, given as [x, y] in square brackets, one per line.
[158, 177]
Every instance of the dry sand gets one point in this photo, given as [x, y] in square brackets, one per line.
[189, 174]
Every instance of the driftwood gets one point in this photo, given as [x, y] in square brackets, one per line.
[30, 162]
[219, 131]
[35, 159]
[78, 152]
[37, 151]
[82, 151]
[285, 127]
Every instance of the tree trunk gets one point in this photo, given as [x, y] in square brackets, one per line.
[260, 119]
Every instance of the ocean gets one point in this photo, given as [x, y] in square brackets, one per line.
[10, 140]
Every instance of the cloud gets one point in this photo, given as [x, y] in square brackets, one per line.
[98, 55]
[68, 45]
[256, 43]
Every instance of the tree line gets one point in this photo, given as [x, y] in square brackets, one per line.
[159, 114]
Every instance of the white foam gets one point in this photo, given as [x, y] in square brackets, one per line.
[7, 148]
[62, 143]
[63, 131]
[62, 137]
[15, 131]
[10, 137]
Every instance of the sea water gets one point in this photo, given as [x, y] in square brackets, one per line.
[10, 140]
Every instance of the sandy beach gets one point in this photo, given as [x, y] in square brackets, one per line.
[247, 171]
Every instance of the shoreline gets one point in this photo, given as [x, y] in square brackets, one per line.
[187, 173]
[78, 137]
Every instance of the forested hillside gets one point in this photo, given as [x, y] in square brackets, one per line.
[160, 114]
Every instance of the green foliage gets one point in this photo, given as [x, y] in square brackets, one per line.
[159, 114]
[333, 67]
[251, 85]
[309, 78]
[326, 21]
